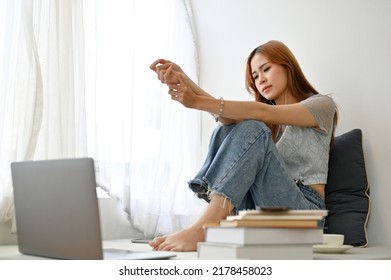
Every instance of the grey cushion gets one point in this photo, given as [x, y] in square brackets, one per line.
[347, 190]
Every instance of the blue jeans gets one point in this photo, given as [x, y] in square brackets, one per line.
[244, 165]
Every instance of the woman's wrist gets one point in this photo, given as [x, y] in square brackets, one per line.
[220, 110]
[211, 105]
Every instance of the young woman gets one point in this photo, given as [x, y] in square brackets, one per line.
[271, 152]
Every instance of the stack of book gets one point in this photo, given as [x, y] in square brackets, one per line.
[258, 234]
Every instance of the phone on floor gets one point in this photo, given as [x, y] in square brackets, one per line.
[274, 208]
[141, 240]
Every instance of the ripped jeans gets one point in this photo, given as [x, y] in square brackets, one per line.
[244, 166]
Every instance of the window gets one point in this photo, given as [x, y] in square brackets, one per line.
[77, 83]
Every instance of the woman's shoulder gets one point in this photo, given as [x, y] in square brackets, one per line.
[321, 98]
[320, 104]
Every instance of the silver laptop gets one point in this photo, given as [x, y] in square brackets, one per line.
[57, 213]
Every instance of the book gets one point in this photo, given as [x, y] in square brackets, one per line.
[279, 215]
[274, 217]
[319, 212]
[221, 251]
[271, 223]
[262, 236]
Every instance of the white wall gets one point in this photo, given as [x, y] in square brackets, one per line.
[344, 47]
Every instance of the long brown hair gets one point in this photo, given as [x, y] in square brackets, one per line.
[278, 53]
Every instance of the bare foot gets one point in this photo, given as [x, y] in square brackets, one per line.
[186, 240]
[182, 241]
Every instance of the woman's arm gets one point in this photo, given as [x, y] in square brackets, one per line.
[185, 91]
[291, 114]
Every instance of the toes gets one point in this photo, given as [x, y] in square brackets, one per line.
[157, 241]
[165, 247]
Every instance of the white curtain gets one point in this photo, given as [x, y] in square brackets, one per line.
[75, 82]
[146, 146]
[21, 94]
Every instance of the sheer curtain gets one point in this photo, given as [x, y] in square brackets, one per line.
[75, 82]
[21, 94]
[41, 83]
[146, 146]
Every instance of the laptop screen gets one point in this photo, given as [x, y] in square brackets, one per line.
[56, 208]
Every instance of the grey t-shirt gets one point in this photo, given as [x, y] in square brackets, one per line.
[305, 150]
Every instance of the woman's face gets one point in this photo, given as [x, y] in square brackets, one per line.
[270, 79]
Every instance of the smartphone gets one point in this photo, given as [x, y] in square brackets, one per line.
[141, 240]
[274, 208]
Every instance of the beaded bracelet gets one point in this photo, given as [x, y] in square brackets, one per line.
[217, 116]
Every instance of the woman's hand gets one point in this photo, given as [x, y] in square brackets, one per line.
[181, 87]
[167, 71]
[182, 91]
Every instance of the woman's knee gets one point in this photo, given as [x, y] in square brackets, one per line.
[252, 128]
[253, 124]
[246, 125]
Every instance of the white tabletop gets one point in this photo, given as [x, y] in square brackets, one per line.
[11, 252]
